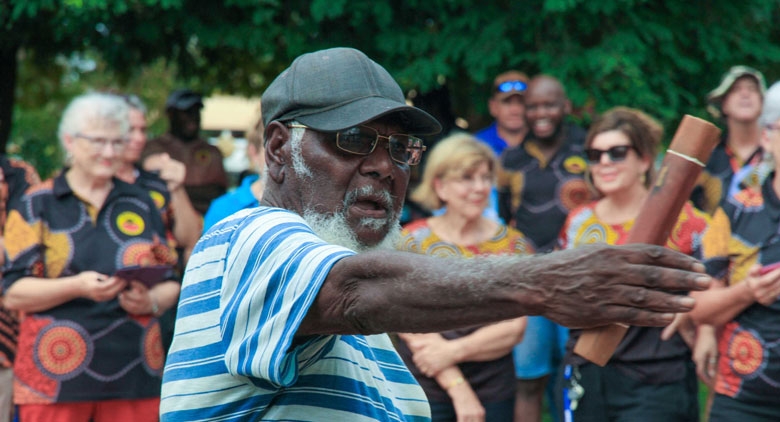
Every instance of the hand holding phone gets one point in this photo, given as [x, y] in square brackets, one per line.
[769, 268]
[148, 276]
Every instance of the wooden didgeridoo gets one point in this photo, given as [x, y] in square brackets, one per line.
[690, 149]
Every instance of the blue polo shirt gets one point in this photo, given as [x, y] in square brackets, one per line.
[231, 202]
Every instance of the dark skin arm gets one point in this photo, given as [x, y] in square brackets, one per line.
[378, 292]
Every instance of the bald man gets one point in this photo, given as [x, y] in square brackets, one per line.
[542, 181]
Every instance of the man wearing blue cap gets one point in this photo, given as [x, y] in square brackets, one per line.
[206, 178]
[284, 307]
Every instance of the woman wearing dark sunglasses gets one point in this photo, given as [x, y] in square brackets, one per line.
[651, 376]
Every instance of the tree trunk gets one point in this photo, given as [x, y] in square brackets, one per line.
[8, 67]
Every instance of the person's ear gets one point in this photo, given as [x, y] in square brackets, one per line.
[567, 108]
[277, 150]
[765, 141]
[438, 189]
[67, 141]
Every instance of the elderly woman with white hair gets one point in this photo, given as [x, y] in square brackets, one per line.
[467, 374]
[745, 305]
[89, 346]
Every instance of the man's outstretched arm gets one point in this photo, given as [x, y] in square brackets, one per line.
[591, 286]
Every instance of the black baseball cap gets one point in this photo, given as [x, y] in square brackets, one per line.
[183, 99]
[339, 88]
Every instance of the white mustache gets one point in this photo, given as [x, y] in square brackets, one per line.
[383, 197]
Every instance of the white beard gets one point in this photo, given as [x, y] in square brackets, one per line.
[333, 228]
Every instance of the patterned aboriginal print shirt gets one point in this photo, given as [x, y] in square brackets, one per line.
[84, 350]
[749, 346]
[15, 177]
[535, 194]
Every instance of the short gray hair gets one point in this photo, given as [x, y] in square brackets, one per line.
[135, 103]
[92, 107]
[771, 111]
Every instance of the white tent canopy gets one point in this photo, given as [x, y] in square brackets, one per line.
[226, 112]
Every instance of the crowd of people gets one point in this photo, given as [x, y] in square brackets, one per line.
[138, 287]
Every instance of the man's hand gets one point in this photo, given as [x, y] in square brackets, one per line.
[596, 285]
[171, 171]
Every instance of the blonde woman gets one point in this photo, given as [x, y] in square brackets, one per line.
[467, 374]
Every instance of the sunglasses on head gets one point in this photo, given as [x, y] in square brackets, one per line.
[511, 86]
[615, 154]
[362, 140]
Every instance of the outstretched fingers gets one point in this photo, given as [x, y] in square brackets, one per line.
[662, 268]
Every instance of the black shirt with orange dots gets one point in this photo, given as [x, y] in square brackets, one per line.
[84, 350]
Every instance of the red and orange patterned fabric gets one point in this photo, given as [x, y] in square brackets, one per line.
[491, 380]
[642, 354]
[84, 350]
[749, 346]
[15, 177]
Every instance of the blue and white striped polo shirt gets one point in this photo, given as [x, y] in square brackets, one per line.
[248, 285]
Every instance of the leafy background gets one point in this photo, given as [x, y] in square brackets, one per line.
[660, 56]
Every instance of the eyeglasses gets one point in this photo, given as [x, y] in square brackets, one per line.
[99, 143]
[615, 154]
[511, 86]
[361, 140]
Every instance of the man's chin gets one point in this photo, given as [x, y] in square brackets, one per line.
[386, 239]
[360, 236]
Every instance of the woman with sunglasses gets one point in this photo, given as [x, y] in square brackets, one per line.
[651, 376]
[467, 374]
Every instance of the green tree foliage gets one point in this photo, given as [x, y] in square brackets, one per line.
[660, 56]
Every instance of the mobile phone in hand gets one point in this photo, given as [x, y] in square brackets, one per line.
[768, 268]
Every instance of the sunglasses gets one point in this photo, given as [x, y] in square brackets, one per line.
[615, 154]
[362, 140]
[511, 86]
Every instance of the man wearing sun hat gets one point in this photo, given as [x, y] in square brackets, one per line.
[737, 102]
[507, 108]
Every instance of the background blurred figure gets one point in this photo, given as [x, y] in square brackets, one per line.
[648, 378]
[250, 192]
[542, 181]
[467, 374]
[163, 177]
[507, 108]
[206, 178]
[15, 177]
[745, 305]
[89, 345]
[737, 102]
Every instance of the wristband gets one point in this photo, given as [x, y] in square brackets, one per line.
[453, 383]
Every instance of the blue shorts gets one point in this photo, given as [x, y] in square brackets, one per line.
[541, 350]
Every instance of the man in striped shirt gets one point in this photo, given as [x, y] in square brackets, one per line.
[283, 307]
